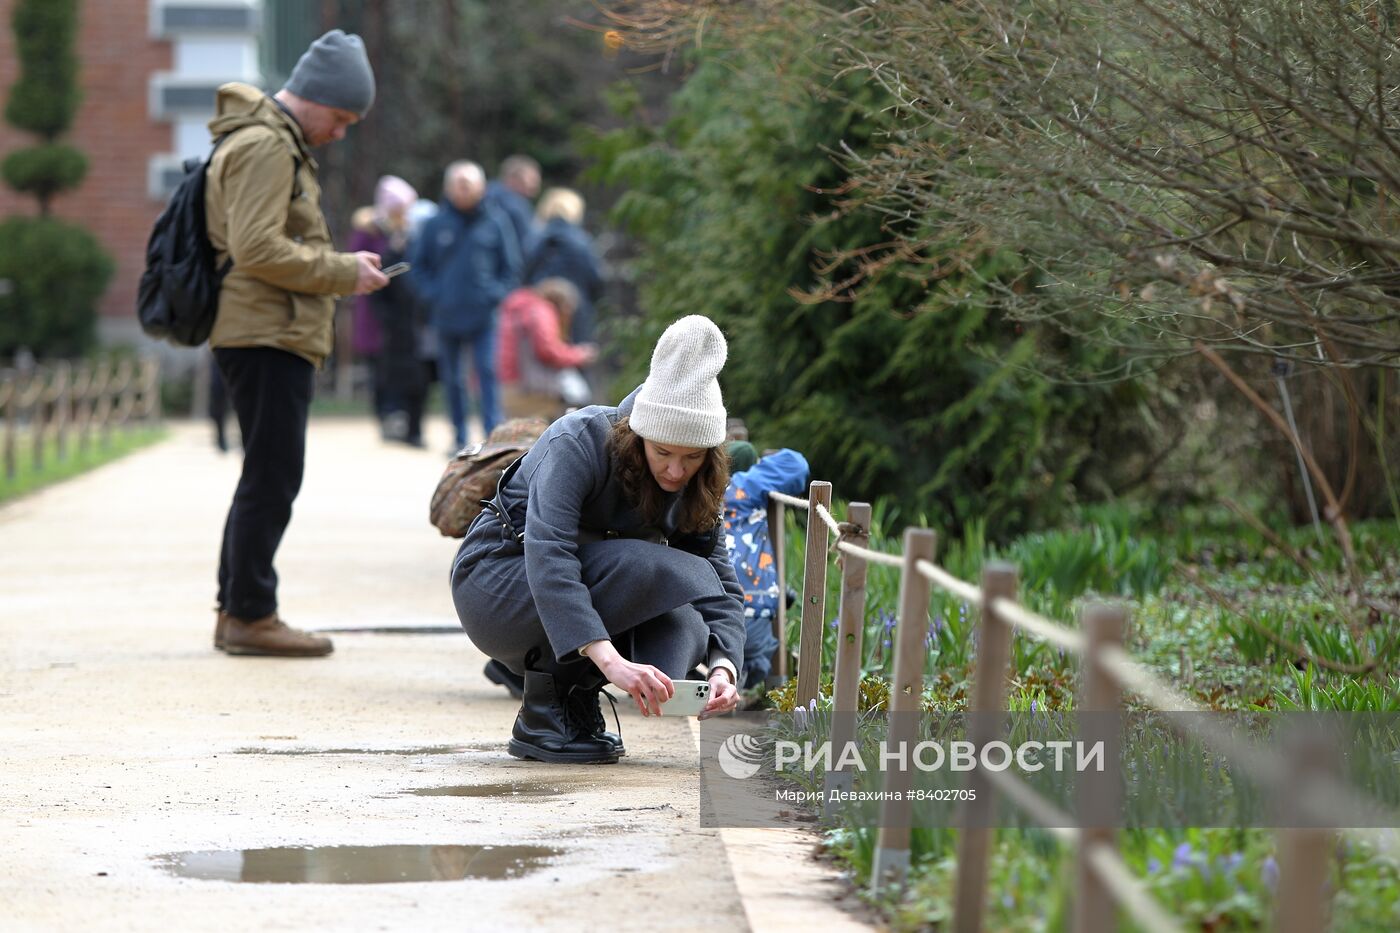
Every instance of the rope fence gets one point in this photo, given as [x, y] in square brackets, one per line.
[74, 406]
[1300, 779]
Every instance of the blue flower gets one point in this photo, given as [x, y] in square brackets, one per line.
[886, 642]
[1032, 706]
[1153, 866]
[1008, 901]
[1184, 856]
[1229, 864]
[1268, 873]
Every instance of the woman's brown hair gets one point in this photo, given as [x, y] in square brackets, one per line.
[702, 500]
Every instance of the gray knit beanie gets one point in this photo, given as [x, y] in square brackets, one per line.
[680, 403]
[335, 72]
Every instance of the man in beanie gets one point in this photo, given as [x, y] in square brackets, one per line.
[602, 558]
[274, 324]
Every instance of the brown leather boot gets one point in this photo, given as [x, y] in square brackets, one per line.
[220, 623]
[271, 637]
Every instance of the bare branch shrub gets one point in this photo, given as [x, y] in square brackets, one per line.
[1222, 171]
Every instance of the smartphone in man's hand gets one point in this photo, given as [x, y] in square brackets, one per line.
[397, 268]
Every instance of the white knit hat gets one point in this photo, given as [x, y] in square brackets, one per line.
[680, 403]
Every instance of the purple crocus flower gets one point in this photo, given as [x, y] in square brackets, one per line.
[1268, 873]
[1184, 856]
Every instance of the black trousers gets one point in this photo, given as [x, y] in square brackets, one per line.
[271, 394]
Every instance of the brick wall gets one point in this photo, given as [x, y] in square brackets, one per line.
[113, 128]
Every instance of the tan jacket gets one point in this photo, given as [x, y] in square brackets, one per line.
[286, 274]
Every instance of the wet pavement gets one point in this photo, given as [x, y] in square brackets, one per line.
[151, 782]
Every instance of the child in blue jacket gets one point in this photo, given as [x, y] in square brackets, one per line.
[746, 536]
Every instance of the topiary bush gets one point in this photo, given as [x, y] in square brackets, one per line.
[45, 95]
[56, 273]
[44, 170]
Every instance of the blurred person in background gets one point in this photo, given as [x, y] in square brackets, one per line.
[398, 317]
[537, 366]
[514, 193]
[561, 248]
[465, 261]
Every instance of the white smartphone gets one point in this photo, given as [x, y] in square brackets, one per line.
[688, 700]
[397, 268]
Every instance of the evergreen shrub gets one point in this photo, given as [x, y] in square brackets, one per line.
[56, 273]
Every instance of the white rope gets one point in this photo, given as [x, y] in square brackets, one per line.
[874, 557]
[830, 522]
[945, 580]
[1129, 891]
[1133, 676]
[789, 500]
[1038, 626]
[1050, 817]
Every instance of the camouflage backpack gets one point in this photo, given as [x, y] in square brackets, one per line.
[471, 476]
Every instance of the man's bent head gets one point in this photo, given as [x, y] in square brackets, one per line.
[331, 87]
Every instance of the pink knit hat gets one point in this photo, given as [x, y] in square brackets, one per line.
[392, 193]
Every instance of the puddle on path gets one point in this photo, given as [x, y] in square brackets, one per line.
[359, 864]
[498, 791]
[423, 750]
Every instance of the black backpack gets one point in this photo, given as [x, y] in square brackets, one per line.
[179, 293]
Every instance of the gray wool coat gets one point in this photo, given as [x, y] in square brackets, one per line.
[588, 567]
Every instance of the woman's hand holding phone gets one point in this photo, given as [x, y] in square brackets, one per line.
[648, 686]
[724, 695]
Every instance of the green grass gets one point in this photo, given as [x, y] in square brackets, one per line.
[27, 479]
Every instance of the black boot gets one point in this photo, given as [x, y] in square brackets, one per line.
[550, 729]
[498, 673]
[585, 699]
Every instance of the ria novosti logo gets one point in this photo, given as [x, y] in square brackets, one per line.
[740, 756]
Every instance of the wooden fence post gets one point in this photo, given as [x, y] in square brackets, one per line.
[62, 401]
[1098, 794]
[82, 409]
[845, 693]
[1304, 852]
[777, 538]
[150, 409]
[891, 862]
[38, 420]
[809, 658]
[12, 390]
[989, 701]
[127, 391]
[103, 403]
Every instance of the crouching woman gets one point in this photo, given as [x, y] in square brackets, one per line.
[602, 558]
